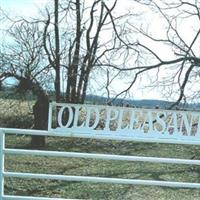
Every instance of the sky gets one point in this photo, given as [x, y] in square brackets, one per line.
[23, 7]
[30, 8]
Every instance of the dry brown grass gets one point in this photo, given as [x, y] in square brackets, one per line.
[16, 114]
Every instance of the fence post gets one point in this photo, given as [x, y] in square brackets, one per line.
[2, 146]
[50, 116]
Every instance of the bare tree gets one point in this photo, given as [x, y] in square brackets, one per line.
[93, 36]
[22, 60]
[53, 50]
[176, 70]
[75, 39]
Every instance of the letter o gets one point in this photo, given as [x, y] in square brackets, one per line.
[60, 115]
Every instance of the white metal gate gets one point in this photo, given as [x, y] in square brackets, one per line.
[87, 130]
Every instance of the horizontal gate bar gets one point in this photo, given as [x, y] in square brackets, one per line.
[102, 180]
[9, 197]
[190, 140]
[101, 156]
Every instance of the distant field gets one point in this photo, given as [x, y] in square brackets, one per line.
[15, 113]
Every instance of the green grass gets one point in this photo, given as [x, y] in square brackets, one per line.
[90, 167]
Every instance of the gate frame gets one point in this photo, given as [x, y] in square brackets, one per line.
[77, 134]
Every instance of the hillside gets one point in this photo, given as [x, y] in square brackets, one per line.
[95, 99]
[144, 103]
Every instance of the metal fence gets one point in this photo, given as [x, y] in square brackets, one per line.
[7, 151]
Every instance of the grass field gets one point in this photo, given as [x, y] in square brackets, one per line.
[16, 114]
[89, 167]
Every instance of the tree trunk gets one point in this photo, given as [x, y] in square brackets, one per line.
[37, 142]
[1, 86]
[40, 111]
[57, 50]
